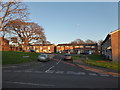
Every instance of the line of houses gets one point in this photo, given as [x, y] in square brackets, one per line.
[87, 48]
[110, 47]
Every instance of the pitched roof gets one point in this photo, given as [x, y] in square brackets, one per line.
[107, 37]
[41, 45]
[91, 44]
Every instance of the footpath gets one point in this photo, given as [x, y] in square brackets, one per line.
[102, 70]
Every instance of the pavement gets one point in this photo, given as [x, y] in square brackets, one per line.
[55, 73]
[103, 70]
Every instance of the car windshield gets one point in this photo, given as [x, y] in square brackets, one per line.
[67, 55]
[43, 55]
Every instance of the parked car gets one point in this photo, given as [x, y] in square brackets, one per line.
[68, 57]
[32, 50]
[43, 57]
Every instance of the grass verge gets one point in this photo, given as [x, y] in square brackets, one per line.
[98, 60]
[76, 57]
[11, 57]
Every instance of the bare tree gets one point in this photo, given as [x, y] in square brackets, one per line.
[26, 31]
[10, 11]
[99, 44]
[48, 42]
[90, 41]
[77, 41]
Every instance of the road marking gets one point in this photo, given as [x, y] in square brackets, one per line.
[58, 61]
[7, 71]
[17, 71]
[10, 67]
[50, 71]
[93, 74]
[38, 72]
[49, 68]
[76, 73]
[106, 75]
[60, 72]
[70, 72]
[81, 73]
[27, 71]
[53, 66]
[29, 83]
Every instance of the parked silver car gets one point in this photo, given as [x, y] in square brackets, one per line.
[43, 57]
[68, 57]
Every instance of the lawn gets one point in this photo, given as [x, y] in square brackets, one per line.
[11, 57]
[76, 57]
[98, 60]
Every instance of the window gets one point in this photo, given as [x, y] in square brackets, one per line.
[88, 46]
[40, 48]
[49, 47]
[76, 46]
[92, 46]
[81, 46]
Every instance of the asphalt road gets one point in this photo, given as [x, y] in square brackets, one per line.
[54, 74]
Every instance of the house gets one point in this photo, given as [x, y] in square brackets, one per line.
[42, 48]
[4, 44]
[86, 48]
[110, 46]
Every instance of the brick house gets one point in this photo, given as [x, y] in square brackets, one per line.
[110, 46]
[42, 48]
[78, 48]
[4, 44]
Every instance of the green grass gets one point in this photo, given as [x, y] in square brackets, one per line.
[76, 57]
[11, 57]
[98, 60]
[96, 57]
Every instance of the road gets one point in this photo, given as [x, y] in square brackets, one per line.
[55, 73]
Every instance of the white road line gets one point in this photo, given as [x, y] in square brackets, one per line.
[27, 71]
[58, 61]
[104, 75]
[76, 73]
[17, 71]
[60, 72]
[81, 73]
[38, 72]
[53, 66]
[7, 71]
[50, 71]
[10, 67]
[29, 83]
[93, 74]
[70, 72]
[49, 68]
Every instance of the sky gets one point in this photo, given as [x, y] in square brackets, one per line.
[64, 22]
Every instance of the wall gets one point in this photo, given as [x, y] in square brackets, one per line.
[115, 41]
